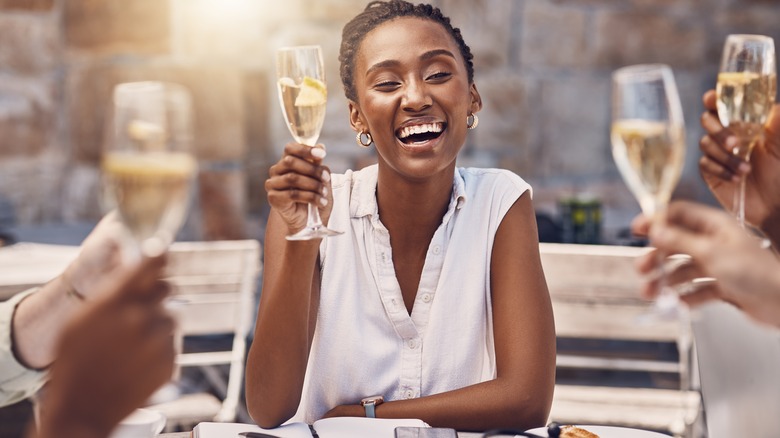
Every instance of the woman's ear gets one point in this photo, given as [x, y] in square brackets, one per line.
[356, 117]
[476, 99]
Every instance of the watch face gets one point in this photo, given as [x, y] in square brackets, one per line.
[375, 400]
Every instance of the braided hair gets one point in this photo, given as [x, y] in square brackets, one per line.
[379, 12]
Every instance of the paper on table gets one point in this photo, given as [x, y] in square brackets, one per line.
[337, 427]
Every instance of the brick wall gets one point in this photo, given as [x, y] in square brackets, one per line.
[543, 68]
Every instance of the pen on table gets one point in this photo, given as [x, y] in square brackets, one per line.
[267, 435]
[257, 435]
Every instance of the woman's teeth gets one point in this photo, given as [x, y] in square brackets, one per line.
[420, 133]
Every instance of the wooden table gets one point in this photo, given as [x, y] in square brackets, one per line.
[25, 265]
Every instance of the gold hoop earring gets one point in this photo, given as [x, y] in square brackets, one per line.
[360, 136]
[472, 121]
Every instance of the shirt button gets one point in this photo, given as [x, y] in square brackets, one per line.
[412, 344]
[426, 298]
[436, 249]
[408, 394]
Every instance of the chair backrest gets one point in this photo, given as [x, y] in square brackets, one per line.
[595, 293]
[739, 362]
[215, 284]
[595, 296]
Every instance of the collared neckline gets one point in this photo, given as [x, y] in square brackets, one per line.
[363, 196]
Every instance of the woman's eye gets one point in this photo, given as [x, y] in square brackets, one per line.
[386, 85]
[440, 75]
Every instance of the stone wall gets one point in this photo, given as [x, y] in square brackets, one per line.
[542, 66]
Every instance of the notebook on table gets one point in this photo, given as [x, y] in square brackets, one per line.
[336, 427]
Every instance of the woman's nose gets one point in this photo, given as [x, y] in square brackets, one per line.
[416, 97]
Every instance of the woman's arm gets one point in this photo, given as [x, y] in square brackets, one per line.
[524, 332]
[39, 318]
[276, 363]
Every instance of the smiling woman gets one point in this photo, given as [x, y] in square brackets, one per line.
[434, 298]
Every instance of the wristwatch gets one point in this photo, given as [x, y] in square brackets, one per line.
[370, 404]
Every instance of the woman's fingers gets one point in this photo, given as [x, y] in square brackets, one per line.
[709, 99]
[717, 145]
[295, 164]
[681, 273]
[299, 177]
[701, 295]
[716, 153]
[640, 225]
[678, 269]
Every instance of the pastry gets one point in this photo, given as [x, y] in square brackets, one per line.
[576, 432]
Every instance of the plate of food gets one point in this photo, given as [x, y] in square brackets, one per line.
[588, 431]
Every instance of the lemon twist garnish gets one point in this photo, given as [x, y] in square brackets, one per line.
[141, 130]
[313, 93]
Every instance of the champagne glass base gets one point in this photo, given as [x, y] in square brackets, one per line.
[665, 308]
[315, 232]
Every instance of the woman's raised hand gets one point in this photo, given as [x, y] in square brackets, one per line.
[298, 179]
[746, 274]
[113, 354]
[722, 170]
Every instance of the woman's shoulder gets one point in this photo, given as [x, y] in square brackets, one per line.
[350, 177]
[477, 179]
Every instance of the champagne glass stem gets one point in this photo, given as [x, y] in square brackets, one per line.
[739, 203]
[667, 300]
[313, 219]
[739, 194]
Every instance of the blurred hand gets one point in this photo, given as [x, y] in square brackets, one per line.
[98, 257]
[112, 356]
[298, 179]
[747, 275]
[722, 170]
[679, 270]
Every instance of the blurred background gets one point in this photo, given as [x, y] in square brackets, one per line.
[543, 68]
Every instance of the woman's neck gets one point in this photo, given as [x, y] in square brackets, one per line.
[416, 207]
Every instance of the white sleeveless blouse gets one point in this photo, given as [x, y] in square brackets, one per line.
[365, 342]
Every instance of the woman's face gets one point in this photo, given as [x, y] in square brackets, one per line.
[413, 96]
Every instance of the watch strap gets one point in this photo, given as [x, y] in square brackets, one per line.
[370, 409]
[370, 404]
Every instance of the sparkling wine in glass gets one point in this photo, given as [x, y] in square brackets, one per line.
[648, 144]
[303, 97]
[148, 166]
[746, 90]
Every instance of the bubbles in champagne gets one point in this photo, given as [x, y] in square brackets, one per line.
[744, 102]
[150, 191]
[650, 156]
[303, 106]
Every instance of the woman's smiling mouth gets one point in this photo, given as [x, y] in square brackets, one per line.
[420, 133]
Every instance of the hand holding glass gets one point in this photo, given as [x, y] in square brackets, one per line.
[148, 166]
[303, 97]
[648, 143]
[746, 93]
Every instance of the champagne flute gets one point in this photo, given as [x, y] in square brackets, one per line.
[148, 166]
[648, 145]
[746, 92]
[303, 96]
